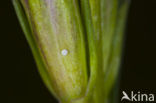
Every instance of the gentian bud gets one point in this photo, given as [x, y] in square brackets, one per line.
[76, 45]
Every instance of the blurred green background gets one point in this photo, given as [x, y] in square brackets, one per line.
[21, 83]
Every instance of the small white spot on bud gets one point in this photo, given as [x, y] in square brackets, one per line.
[64, 52]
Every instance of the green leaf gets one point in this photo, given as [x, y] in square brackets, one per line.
[35, 50]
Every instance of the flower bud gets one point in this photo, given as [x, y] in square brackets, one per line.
[77, 45]
[57, 31]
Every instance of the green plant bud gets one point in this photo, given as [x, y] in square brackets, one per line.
[57, 31]
[77, 45]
